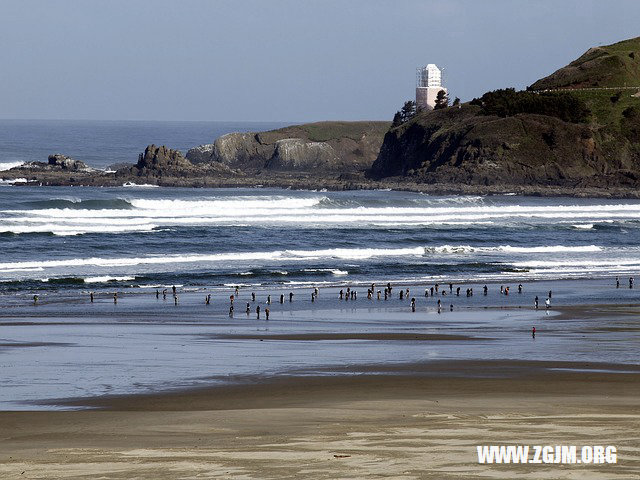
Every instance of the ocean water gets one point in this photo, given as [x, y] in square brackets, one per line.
[65, 238]
[59, 243]
[104, 143]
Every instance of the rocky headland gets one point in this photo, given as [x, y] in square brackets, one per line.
[575, 132]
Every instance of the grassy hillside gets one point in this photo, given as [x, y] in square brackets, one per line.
[616, 65]
[325, 131]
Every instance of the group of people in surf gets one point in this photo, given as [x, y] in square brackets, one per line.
[352, 294]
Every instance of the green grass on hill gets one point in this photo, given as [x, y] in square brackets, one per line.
[615, 65]
[607, 105]
[324, 131]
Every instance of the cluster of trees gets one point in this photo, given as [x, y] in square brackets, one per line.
[409, 109]
[406, 113]
[507, 102]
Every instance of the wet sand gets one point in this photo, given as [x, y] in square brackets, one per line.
[414, 421]
[351, 336]
[315, 419]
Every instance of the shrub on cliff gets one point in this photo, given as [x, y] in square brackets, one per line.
[508, 102]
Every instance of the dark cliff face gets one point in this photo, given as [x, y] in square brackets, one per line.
[460, 146]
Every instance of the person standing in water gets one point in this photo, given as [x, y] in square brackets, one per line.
[535, 302]
[630, 282]
[253, 296]
[157, 293]
[115, 297]
[91, 296]
[485, 289]
[175, 300]
[266, 313]
[520, 288]
[291, 296]
[268, 299]
[282, 298]
[258, 312]
[248, 308]
[533, 332]
[617, 282]
[547, 303]
[174, 289]
[413, 304]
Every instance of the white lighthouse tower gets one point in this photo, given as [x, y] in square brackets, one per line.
[428, 84]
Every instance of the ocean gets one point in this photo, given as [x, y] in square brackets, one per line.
[103, 143]
[60, 243]
[65, 238]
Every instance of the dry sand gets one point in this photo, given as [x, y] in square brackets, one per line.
[405, 425]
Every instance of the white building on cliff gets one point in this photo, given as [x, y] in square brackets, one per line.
[428, 84]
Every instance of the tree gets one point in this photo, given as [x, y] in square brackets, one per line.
[442, 100]
[406, 113]
[408, 110]
[456, 102]
[397, 120]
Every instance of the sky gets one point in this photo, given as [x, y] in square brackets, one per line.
[281, 60]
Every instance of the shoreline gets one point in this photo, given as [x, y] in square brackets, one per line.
[311, 183]
[371, 426]
[437, 377]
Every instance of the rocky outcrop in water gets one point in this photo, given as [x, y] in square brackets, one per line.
[158, 161]
[323, 148]
[66, 163]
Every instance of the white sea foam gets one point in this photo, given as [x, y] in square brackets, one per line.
[66, 230]
[14, 181]
[466, 249]
[304, 255]
[9, 165]
[316, 211]
[139, 185]
[107, 278]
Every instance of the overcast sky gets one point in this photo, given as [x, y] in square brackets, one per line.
[280, 60]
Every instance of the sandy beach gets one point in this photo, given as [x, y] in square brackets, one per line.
[419, 422]
[368, 391]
